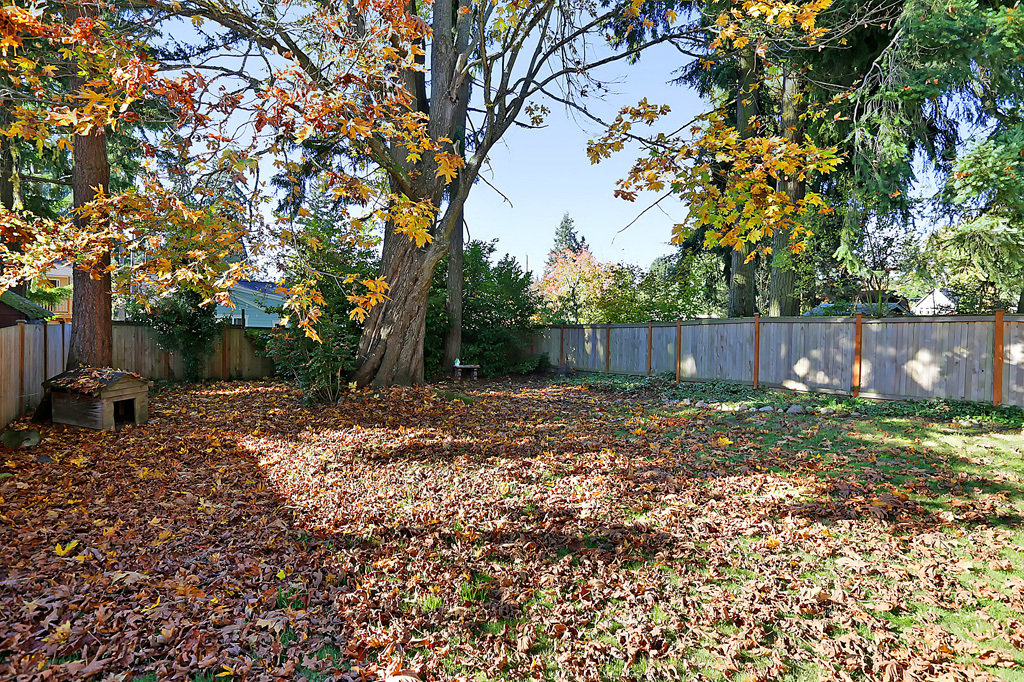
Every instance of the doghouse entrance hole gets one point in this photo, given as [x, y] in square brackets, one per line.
[124, 412]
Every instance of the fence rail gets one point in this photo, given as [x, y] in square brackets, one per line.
[32, 353]
[975, 358]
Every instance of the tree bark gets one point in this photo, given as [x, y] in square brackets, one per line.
[783, 301]
[456, 246]
[391, 345]
[453, 302]
[1020, 303]
[7, 189]
[91, 343]
[742, 292]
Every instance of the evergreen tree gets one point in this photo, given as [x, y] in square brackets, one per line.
[565, 239]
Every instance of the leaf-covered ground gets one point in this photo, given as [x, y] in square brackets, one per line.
[519, 531]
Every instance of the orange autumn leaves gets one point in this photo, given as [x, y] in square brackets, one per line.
[186, 238]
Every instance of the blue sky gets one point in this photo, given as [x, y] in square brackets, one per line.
[545, 173]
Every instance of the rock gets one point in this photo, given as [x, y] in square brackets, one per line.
[752, 409]
[24, 438]
[796, 409]
[856, 414]
[687, 402]
[701, 403]
[767, 408]
[826, 411]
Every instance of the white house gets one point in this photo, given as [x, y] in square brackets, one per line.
[937, 302]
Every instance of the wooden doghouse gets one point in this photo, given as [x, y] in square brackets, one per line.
[99, 398]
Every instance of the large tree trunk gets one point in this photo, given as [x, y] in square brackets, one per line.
[456, 246]
[453, 302]
[783, 301]
[92, 332]
[391, 345]
[1020, 303]
[742, 292]
[7, 188]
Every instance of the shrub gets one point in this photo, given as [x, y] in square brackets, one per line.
[320, 369]
[497, 305]
[183, 325]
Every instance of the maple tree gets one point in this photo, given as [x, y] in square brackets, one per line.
[571, 286]
[741, 183]
[341, 59]
[68, 78]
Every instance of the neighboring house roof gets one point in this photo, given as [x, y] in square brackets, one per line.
[840, 309]
[937, 301]
[25, 306]
[265, 288]
[252, 300]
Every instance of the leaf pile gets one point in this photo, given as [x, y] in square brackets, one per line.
[88, 380]
[536, 532]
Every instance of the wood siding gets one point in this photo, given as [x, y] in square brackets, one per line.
[948, 357]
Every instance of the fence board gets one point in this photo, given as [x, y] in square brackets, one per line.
[901, 358]
[1013, 362]
[134, 349]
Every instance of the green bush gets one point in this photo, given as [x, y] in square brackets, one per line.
[497, 304]
[319, 368]
[323, 245]
[183, 325]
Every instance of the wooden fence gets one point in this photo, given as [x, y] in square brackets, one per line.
[975, 358]
[32, 353]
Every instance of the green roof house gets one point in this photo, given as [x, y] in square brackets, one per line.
[14, 307]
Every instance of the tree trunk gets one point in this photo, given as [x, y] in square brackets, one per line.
[453, 302]
[742, 292]
[92, 332]
[456, 246]
[783, 301]
[741, 283]
[7, 189]
[1020, 304]
[391, 345]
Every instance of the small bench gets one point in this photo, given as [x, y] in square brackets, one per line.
[459, 368]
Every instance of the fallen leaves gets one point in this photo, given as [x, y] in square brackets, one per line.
[537, 532]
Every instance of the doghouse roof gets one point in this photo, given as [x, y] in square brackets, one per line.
[92, 380]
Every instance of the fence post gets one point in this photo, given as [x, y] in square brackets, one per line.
[46, 351]
[757, 350]
[650, 344]
[997, 361]
[607, 347]
[561, 346]
[63, 347]
[224, 355]
[679, 351]
[858, 338]
[21, 367]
